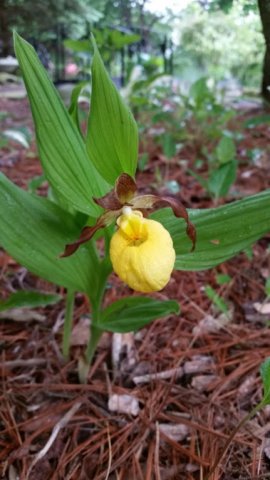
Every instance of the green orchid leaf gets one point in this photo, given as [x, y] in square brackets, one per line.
[34, 231]
[265, 374]
[30, 299]
[61, 148]
[221, 232]
[131, 313]
[112, 137]
[73, 108]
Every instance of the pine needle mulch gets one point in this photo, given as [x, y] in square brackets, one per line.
[189, 379]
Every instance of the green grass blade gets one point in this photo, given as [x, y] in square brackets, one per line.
[265, 375]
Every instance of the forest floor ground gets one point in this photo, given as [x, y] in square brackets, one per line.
[195, 375]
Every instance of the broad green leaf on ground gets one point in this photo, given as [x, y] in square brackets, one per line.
[30, 299]
[221, 232]
[131, 313]
[226, 150]
[222, 178]
[34, 231]
[62, 151]
[112, 137]
[265, 374]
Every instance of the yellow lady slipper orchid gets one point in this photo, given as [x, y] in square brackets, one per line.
[142, 252]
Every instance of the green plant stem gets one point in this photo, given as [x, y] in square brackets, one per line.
[68, 322]
[95, 330]
[232, 435]
[93, 342]
[95, 334]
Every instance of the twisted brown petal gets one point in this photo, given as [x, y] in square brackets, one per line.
[88, 232]
[192, 234]
[151, 201]
[144, 201]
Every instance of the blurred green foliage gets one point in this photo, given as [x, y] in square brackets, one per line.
[220, 39]
[40, 20]
[224, 44]
[217, 43]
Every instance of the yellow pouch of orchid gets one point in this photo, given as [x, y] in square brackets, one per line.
[142, 252]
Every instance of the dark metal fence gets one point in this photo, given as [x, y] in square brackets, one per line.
[56, 57]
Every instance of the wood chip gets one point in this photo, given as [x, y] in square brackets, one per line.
[210, 324]
[175, 432]
[127, 404]
[198, 364]
[124, 355]
[166, 374]
[204, 383]
[263, 308]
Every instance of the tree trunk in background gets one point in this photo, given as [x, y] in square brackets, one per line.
[264, 8]
[5, 34]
